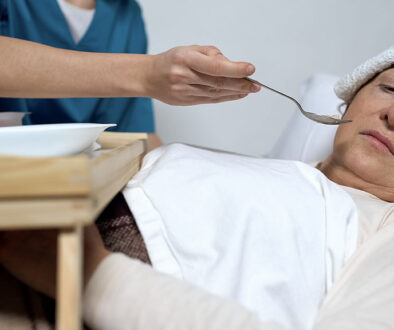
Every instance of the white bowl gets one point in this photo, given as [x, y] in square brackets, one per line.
[49, 140]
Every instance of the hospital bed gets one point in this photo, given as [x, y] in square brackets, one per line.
[363, 295]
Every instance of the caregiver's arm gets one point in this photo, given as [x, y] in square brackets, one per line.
[180, 76]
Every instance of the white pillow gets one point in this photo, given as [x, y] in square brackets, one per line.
[304, 139]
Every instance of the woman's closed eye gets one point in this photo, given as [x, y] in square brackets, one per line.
[387, 88]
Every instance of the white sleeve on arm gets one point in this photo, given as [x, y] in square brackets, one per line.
[126, 294]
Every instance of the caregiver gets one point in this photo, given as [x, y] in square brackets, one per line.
[41, 80]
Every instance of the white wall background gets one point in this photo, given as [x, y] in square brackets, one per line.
[287, 40]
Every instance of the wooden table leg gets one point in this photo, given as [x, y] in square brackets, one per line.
[69, 279]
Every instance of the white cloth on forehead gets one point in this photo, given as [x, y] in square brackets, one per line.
[348, 86]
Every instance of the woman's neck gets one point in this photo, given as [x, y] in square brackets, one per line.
[345, 176]
[84, 4]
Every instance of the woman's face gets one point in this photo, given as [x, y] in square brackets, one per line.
[366, 146]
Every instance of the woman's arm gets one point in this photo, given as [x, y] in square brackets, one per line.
[126, 294]
[180, 76]
[120, 292]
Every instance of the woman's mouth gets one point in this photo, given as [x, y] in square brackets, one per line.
[379, 140]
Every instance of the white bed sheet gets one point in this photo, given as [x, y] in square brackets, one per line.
[271, 234]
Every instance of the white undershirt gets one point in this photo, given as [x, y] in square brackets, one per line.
[78, 19]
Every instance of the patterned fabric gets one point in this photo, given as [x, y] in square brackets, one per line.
[119, 230]
[22, 308]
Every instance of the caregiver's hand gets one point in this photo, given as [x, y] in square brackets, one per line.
[191, 75]
[181, 76]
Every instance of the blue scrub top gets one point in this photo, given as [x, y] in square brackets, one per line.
[117, 27]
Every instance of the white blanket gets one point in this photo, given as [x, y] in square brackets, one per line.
[271, 234]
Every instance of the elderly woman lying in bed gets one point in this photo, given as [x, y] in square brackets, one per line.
[273, 235]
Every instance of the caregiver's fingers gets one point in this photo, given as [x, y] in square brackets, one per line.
[218, 66]
[210, 50]
[207, 91]
[236, 84]
[209, 100]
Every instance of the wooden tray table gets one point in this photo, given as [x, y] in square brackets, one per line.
[67, 193]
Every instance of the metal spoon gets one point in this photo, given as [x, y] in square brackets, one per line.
[323, 119]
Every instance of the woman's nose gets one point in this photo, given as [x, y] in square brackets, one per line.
[388, 116]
